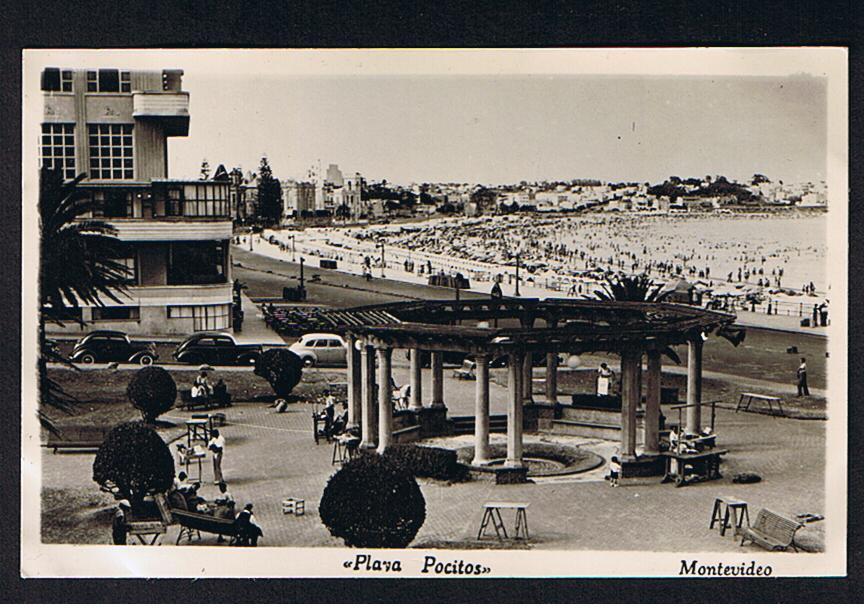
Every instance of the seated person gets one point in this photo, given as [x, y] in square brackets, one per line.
[248, 529]
[328, 413]
[201, 387]
[188, 490]
[220, 392]
[340, 422]
[224, 503]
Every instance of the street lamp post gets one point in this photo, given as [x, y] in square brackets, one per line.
[302, 283]
[516, 293]
[383, 264]
[293, 248]
[251, 236]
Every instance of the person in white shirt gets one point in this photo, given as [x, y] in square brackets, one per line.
[604, 380]
[217, 446]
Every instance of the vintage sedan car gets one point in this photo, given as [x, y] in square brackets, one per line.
[216, 348]
[320, 349]
[109, 346]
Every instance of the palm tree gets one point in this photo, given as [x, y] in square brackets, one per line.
[635, 288]
[630, 288]
[78, 266]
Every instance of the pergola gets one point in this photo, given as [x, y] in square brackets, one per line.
[518, 328]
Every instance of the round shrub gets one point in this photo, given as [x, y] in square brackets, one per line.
[282, 368]
[373, 502]
[152, 391]
[133, 462]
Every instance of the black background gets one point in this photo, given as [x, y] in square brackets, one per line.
[611, 23]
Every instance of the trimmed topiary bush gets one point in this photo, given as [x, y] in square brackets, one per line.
[427, 461]
[152, 391]
[282, 368]
[133, 462]
[373, 502]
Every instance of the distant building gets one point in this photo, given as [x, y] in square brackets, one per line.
[334, 175]
[114, 126]
[299, 197]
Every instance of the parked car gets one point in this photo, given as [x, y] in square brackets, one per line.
[216, 348]
[109, 346]
[320, 349]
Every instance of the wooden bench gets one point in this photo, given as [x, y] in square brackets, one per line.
[192, 524]
[746, 399]
[772, 531]
[77, 439]
[492, 514]
[207, 402]
[154, 528]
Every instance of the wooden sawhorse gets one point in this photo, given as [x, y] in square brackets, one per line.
[492, 514]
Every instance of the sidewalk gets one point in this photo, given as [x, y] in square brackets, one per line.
[777, 323]
[255, 330]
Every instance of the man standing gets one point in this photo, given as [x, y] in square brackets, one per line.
[803, 391]
[217, 446]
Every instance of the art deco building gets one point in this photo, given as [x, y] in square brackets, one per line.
[113, 125]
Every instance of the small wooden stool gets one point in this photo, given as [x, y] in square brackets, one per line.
[344, 450]
[297, 506]
[726, 508]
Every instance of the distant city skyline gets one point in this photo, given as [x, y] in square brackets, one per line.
[369, 112]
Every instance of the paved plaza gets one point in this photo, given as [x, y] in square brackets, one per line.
[272, 456]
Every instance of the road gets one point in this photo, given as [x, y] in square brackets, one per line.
[768, 355]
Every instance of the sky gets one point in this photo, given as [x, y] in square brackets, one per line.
[490, 130]
[496, 116]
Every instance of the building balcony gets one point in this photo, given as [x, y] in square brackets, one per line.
[176, 295]
[171, 229]
[170, 108]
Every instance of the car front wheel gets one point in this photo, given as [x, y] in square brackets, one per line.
[146, 360]
[88, 358]
[308, 361]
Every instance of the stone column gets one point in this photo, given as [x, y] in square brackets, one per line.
[514, 410]
[355, 383]
[630, 359]
[437, 379]
[528, 379]
[652, 403]
[416, 379]
[481, 411]
[552, 378]
[694, 383]
[385, 399]
[369, 413]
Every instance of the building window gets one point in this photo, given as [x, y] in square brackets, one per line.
[116, 313]
[108, 81]
[55, 79]
[110, 151]
[197, 263]
[58, 148]
[198, 200]
[204, 318]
